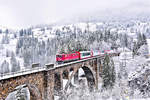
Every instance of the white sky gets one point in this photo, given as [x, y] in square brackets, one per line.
[23, 13]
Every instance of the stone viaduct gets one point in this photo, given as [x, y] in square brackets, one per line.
[44, 83]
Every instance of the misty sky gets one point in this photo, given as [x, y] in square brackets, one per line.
[23, 13]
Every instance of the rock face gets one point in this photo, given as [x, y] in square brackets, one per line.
[20, 94]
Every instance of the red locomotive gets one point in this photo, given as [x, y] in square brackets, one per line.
[63, 58]
[60, 58]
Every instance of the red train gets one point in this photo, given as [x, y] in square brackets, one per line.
[63, 58]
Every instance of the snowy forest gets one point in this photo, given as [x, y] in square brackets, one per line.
[20, 49]
[40, 44]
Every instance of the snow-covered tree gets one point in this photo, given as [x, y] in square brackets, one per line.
[5, 39]
[27, 57]
[0, 31]
[144, 39]
[140, 47]
[15, 66]
[4, 67]
[21, 32]
[143, 50]
[6, 31]
[141, 40]
[8, 53]
[108, 73]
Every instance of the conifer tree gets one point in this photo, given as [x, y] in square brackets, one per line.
[4, 68]
[14, 63]
[0, 31]
[108, 73]
[144, 39]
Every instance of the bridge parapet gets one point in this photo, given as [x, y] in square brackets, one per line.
[21, 72]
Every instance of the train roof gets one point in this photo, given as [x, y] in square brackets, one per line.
[85, 51]
[66, 53]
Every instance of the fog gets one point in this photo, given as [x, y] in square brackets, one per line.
[24, 13]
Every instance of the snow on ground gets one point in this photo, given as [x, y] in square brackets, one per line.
[92, 27]
[42, 35]
[3, 28]
[141, 99]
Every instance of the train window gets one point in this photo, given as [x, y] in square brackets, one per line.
[59, 56]
[86, 54]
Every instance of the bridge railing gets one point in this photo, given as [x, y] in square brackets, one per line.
[21, 72]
